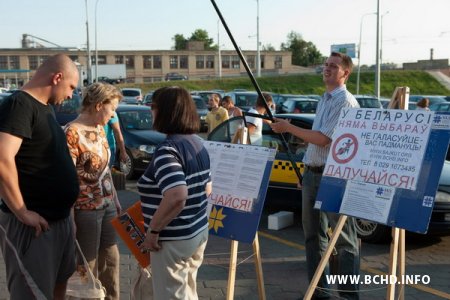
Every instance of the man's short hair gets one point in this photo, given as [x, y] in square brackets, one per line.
[260, 100]
[347, 62]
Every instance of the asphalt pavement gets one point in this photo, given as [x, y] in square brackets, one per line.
[284, 265]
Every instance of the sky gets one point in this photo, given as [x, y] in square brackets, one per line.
[410, 27]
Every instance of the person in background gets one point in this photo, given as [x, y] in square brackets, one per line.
[228, 104]
[38, 185]
[174, 191]
[115, 137]
[97, 202]
[255, 124]
[336, 71]
[423, 104]
[217, 114]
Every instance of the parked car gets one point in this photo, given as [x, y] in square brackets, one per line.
[136, 124]
[299, 106]
[443, 106]
[243, 100]
[68, 110]
[366, 101]
[205, 94]
[148, 99]
[3, 96]
[280, 98]
[131, 95]
[175, 76]
[108, 80]
[433, 98]
[202, 110]
[283, 179]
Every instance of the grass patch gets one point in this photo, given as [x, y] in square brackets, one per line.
[419, 82]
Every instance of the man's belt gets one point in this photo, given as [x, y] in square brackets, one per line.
[315, 169]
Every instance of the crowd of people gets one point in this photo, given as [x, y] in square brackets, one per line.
[56, 184]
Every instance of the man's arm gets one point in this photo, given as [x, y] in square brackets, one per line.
[119, 140]
[9, 184]
[311, 136]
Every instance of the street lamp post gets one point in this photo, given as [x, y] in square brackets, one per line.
[359, 51]
[258, 52]
[96, 49]
[218, 48]
[381, 42]
[89, 75]
[377, 67]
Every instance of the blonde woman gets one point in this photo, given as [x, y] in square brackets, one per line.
[97, 202]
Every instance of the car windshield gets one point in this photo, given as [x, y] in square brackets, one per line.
[130, 93]
[70, 106]
[137, 120]
[200, 103]
[368, 102]
[246, 100]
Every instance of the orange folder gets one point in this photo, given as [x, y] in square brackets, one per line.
[130, 228]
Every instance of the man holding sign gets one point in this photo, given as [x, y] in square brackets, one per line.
[337, 69]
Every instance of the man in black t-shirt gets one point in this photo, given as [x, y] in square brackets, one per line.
[38, 185]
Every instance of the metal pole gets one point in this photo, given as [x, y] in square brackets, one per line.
[96, 49]
[218, 44]
[258, 52]
[377, 69]
[89, 62]
[381, 38]
[359, 52]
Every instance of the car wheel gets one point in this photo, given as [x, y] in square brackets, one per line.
[128, 166]
[372, 232]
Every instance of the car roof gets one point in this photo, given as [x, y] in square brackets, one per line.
[132, 107]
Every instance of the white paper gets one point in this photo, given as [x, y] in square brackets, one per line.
[368, 201]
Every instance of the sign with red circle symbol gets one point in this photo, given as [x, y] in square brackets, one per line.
[345, 148]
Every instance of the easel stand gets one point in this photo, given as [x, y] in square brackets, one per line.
[233, 266]
[241, 137]
[397, 259]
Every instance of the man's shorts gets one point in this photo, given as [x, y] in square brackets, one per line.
[34, 265]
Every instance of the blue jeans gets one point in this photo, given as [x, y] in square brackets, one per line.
[315, 225]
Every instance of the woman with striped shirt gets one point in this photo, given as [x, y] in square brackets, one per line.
[174, 191]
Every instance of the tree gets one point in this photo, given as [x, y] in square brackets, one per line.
[268, 47]
[180, 42]
[303, 53]
[198, 35]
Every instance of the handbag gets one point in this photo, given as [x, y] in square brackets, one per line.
[82, 285]
[142, 288]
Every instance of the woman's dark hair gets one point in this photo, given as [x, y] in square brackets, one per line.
[176, 111]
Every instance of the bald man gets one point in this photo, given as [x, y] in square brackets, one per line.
[38, 185]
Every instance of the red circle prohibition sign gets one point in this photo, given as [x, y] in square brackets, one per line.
[345, 150]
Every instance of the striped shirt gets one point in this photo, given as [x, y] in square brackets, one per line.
[179, 160]
[327, 115]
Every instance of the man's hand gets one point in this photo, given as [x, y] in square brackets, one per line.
[280, 125]
[35, 220]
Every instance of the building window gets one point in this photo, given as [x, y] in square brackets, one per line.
[278, 62]
[262, 61]
[14, 63]
[33, 62]
[129, 61]
[210, 62]
[147, 61]
[226, 61]
[200, 62]
[235, 63]
[184, 62]
[251, 61]
[118, 59]
[157, 62]
[73, 57]
[4, 62]
[102, 59]
[173, 61]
